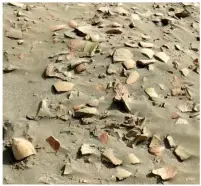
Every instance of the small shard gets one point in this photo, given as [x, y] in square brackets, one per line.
[57, 27]
[108, 155]
[88, 149]
[135, 17]
[185, 72]
[166, 173]
[86, 112]
[68, 169]
[44, 110]
[114, 31]
[111, 69]
[145, 62]
[162, 56]
[62, 86]
[170, 141]
[103, 138]
[121, 11]
[151, 93]
[133, 159]
[181, 153]
[132, 45]
[181, 121]
[184, 108]
[9, 68]
[54, 143]
[122, 174]
[129, 64]
[93, 103]
[146, 45]
[155, 142]
[147, 52]
[185, 13]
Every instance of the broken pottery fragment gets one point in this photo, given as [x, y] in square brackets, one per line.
[86, 112]
[103, 138]
[93, 102]
[63, 86]
[53, 142]
[111, 69]
[170, 141]
[162, 56]
[184, 107]
[135, 17]
[147, 52]
[68, 169]
[146, 45]
[87, 149]
[108, 155]
[145, 62]
[9, 68]
[131, 44]
[80, 68]
[129, 64]
[133, 159]
[185, 72]
[72, 24]
[122, 174]
[133, 77]
[181, 121]
[181, 153]
[62, 112]
[22, 148]
[14, 33]
[20, 5]
[185, 13]
[84, 30]
[166, 173]
[122, 54]
[44, 110]
[151, 92]
[114, 31]
[155, 141]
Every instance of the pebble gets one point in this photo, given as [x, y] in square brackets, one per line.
[133, 159]
[181, 153]
[133, 77]
[62, 86]
[122, 54]
[121, 11]
[111, 69]
[162, 56]
[132, 45]
[151, 92]
[146, 45]
[150, 67]
[166, 173]
[87, 149]
[145, 62]
[108, 155]
[14, 33]
[122, 174]
[147, 52]
[72, 24]
[185, 72]
[114, 31]
[80, 68]
[20, 42]
[129, 64]
[184, 107]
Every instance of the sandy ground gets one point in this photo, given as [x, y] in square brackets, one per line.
[25, 85]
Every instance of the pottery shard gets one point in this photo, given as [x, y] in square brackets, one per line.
[151, 92]
[146, 45]
[133, 77]
[181, 153]
[133, 159]
[185, 72]
[108, 155]
[147, 52]
[22, 148]
[135, 17]
[129, 64]
[162, 56]
[121, 11]
[111, 69]
[80, 68]
[181, 121]
[114, 31]
[87, 149]
[122, 174]
[166, 173]
[170, 141]
[155, 141]
[14, 33]
[86, 112]
[93, 103]
[122, 54]
[62, 86]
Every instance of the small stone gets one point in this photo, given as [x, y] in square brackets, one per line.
[150, 67]
[181, 121]
[181, 153]
[93, 103]
[57, 27]
[184, 107]
[185, 72]
[44, 110]
[132, 45]
[170, 141]
[14, 33]
[162, 56]
[147, 52]
[72, 24]
[102, 75]
[9, 68]
[162, 86]
[20, 42]
[135, 17]
[95, 37]
[121, 11]
[185, 13]
[62, 86]
[155, 141]
[146, 45]
[68, 169]
[133, 77]
[177, 47]
[166, 173]
[122, 54]
[122, 173]
[114, 31]
[146, 37]
[145, 62]
[108, 155]
[129, 64]
[133, 159]
[87, 121]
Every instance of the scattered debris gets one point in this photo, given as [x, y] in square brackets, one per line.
[181, 153]
[166, 173]
[62, 86]
[88, 149]
[109, 156]
[122, 174]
